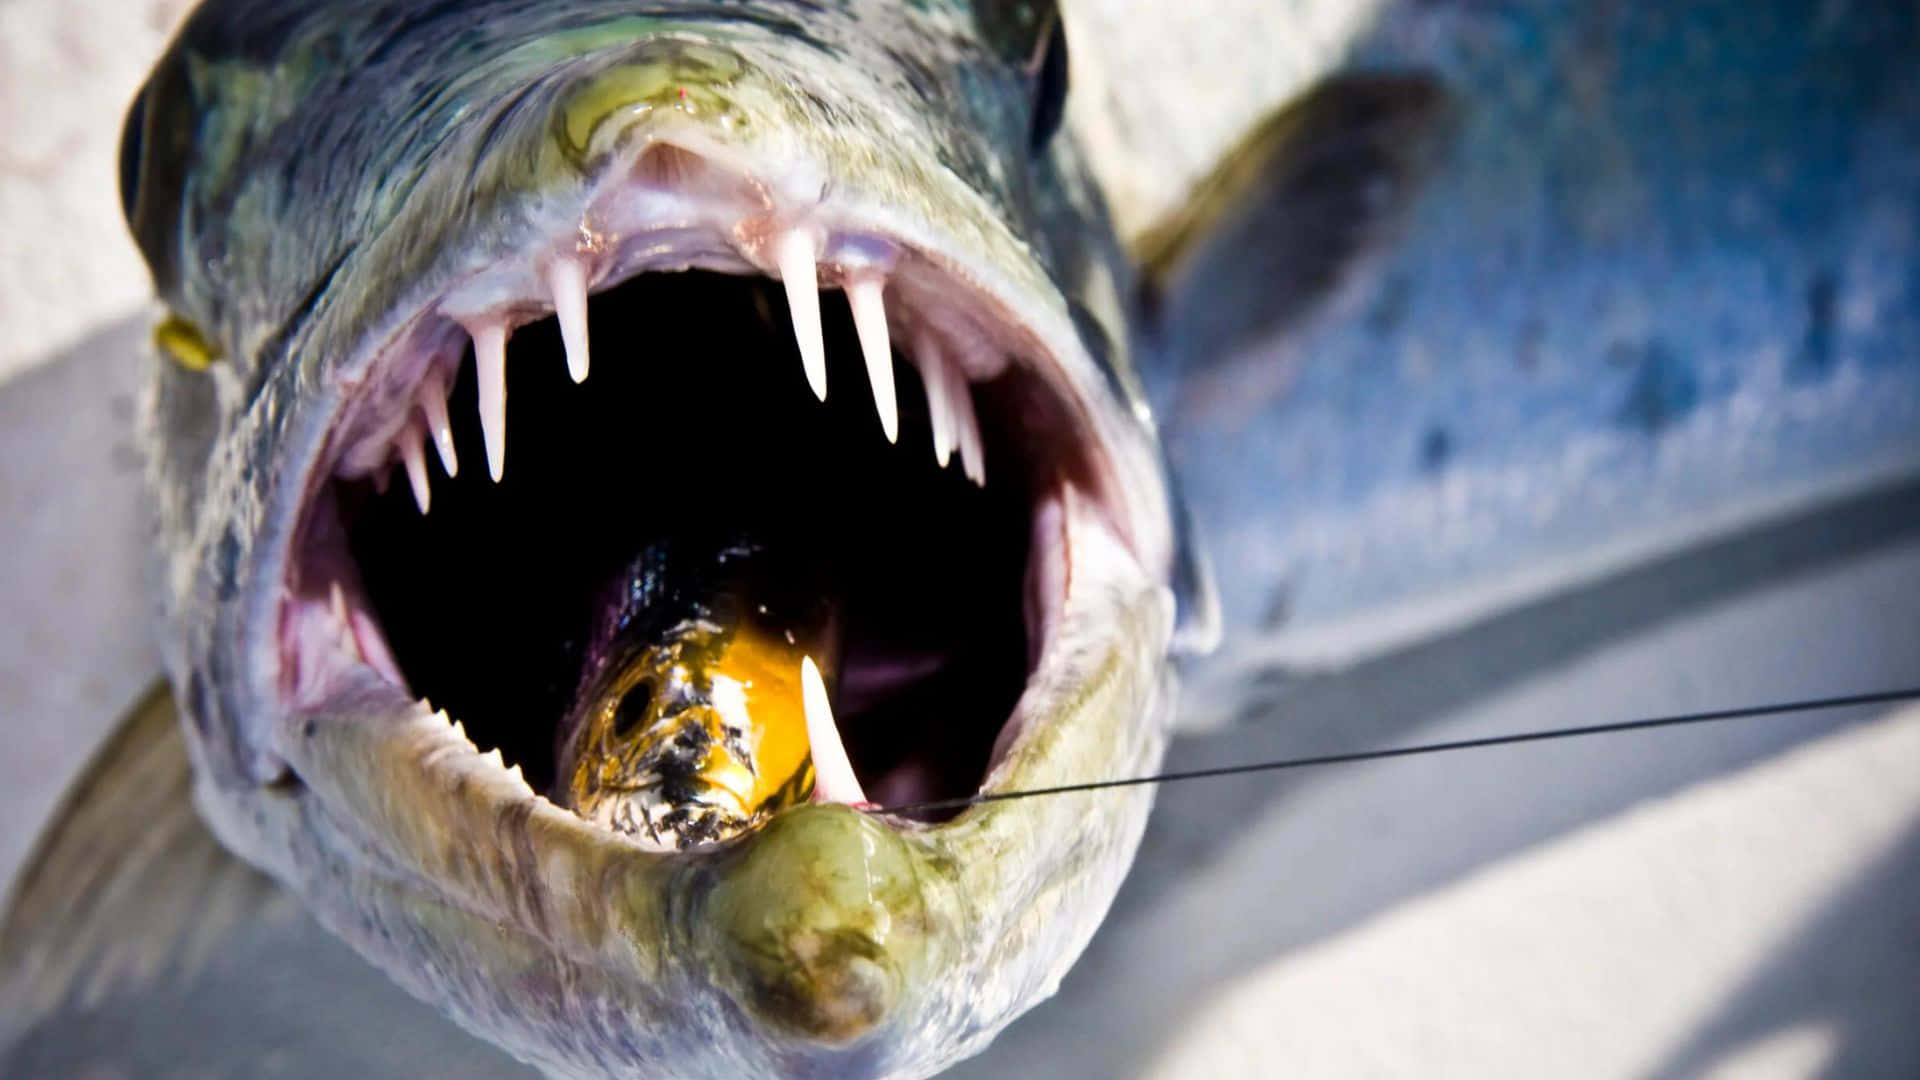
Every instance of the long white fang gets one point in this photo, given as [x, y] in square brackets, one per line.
[413, 452]
[833, 779]
[567, 279]
[795, 253]
[973, 457]
[519, 778]
[865, 295]
[433, 405]
[933, 377]
[490, 364]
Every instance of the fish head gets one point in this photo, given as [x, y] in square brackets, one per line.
[369, 222]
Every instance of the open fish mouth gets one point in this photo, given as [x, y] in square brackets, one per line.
[686, 372]
[661, 461]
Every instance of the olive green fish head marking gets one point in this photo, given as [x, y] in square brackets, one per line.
[374, 220]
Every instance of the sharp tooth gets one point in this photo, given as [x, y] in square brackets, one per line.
[973, 458]
[933, 377]
[493, 758]
[833, 779]
[567, 278]
[433, 406]
[413, 452]
[490, 364]
[337, 600]
[865, 295]
[795, 253]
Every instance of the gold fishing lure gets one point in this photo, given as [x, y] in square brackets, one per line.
[698, 731]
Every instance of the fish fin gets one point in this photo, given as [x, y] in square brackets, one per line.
[1280, 227]
[127, 886]
[1196, 596]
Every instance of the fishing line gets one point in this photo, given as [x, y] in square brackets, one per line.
[1677, 720]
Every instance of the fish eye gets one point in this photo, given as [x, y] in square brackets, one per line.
[1050, 85]
[1029, 36]
[632, 710]
[132, 143]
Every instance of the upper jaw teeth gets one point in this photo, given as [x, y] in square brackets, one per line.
[433, 407]
[490, 370]
[944, 356]
[864, 295]
[413, 452]
[567, 279]
[796, 254]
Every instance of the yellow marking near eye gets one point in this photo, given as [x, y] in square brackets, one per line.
[185, 344]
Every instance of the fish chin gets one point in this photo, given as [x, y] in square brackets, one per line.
[659, 342]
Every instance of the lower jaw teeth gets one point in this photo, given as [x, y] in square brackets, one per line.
[833, 779]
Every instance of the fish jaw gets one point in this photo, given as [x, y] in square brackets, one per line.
[832, 941]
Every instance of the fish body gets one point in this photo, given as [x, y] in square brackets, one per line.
[351, 208]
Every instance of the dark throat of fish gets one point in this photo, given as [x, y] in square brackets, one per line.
[690, 550]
